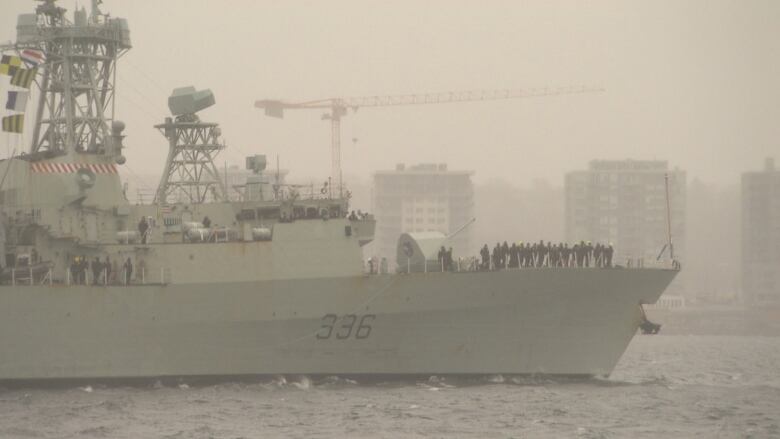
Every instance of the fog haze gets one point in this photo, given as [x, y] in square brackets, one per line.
[282, 309]
[695, 83]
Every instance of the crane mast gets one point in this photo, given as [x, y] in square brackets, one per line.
[337, 108]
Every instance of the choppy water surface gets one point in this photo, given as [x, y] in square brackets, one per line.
[665, 386]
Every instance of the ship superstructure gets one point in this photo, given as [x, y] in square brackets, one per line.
[195, 284]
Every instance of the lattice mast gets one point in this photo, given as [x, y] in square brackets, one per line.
[77, 81]
[190, 174]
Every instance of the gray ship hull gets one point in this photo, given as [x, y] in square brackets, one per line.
[528, 321]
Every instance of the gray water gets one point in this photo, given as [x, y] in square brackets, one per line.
[664, 386]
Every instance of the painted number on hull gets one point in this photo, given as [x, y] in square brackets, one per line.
[345, 327]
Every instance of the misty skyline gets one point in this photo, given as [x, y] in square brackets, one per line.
[695, 83]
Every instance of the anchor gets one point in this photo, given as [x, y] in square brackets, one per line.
[648, 327]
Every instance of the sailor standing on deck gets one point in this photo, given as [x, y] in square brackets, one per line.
[579, 253]
[588, 254]
[107, 269]
[566, 255]
[608, 252]
[513, 256]
[485, 253]
[83, 265]
[74, 270]
[97, 269]
[597, 255]
[143, 226]
[542, 254]
[128, 268]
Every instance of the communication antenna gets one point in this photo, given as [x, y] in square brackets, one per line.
[277, 187]
[670, 243]
[460, 229]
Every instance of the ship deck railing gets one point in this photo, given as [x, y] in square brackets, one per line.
[28, 276]
[472, 264]
[44, 274]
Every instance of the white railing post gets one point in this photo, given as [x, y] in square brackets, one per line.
[13, 277]
[143, 275]
[67, 276]
[32, 281]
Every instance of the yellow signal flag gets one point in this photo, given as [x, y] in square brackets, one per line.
[10, 64]
[24, 77]
[14, 124]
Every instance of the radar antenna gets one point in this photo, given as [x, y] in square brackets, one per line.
[190, 174]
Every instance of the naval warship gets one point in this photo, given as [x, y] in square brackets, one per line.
[199, 284]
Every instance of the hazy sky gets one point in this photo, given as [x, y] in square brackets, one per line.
[693, 82]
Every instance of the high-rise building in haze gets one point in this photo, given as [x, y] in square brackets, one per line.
[761, 234]
[623, 202]
[421, 198]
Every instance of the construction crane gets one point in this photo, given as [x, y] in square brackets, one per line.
[336, 108]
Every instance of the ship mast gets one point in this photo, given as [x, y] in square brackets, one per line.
[670, 243]
[190, 174]
[77, 81]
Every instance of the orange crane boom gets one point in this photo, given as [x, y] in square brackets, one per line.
[337, 108]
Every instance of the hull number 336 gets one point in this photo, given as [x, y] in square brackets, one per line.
[346, 326]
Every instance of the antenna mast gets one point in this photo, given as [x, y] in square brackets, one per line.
[669, 218]
[190, 174]
[76, 102]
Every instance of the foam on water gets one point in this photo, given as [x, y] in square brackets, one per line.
[665, 386]
[304, 383]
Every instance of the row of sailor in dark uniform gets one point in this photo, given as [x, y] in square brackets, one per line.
[102, 272]
[582, 254]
